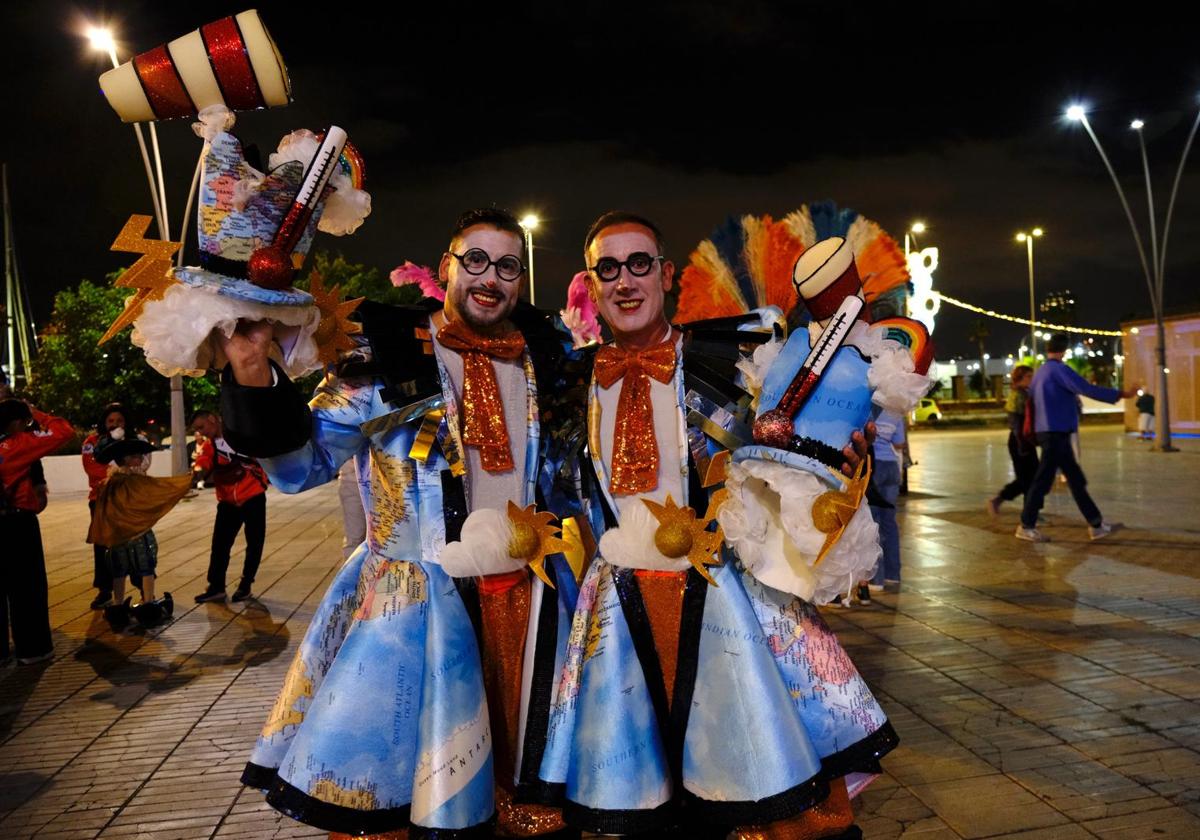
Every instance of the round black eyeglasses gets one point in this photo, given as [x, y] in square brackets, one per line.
[639, 264]
[476, 261]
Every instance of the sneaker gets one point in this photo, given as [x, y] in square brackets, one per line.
[242, 593]
[33, 660]
[992, 506]
[210, 594]
[1030, 535]
[864, 593]
[875, 587]
[101, 601]
[841, 601]
[1099, 532]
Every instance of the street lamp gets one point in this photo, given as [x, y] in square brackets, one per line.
[1028, 238]
[1152, 269]
[529, 223]
[914, 228]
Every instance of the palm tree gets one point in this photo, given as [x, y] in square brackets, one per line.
[978, 334]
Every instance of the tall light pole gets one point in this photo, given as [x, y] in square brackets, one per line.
[1152, 269]
[529, 223]
[1028, 238]
[102, 39]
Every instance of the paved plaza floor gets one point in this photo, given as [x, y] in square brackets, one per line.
[1040, 691]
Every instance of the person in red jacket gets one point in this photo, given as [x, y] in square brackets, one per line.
[26, 435]
[113, 417]
[241, 487]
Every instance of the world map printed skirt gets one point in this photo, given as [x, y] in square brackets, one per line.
[764, 710]
[382, 721]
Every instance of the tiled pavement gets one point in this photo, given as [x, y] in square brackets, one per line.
[1047, 691]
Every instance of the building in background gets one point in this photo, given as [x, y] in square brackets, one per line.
[1183, 362]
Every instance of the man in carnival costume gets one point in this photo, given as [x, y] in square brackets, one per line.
[382, 724]
[703, 691]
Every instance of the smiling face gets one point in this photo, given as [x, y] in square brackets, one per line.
[482, 301]
[631, 306]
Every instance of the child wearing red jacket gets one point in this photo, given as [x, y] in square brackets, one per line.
[26, 435]
[241, 486]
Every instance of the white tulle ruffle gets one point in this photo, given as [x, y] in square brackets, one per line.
[767, 520]
[175, 333]
[483, 546]
[895, 384]
[632, 543]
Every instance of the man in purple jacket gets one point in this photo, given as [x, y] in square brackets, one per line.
[1056, 415]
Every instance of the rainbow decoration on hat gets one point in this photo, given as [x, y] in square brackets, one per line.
[912, 335]
[747, 262]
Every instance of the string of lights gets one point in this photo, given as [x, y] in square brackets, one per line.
[1041, 324]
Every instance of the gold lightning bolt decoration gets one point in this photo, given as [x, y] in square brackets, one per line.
[150, 275]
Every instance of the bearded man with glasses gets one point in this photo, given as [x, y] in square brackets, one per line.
[686, 708]
[419, 698]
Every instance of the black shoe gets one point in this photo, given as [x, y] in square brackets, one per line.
[101, 601]
[210, 594]
[118, 615]
[864, 594]
[154, 613]
[242, 593]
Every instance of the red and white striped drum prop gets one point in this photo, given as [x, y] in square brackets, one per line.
[231, 62]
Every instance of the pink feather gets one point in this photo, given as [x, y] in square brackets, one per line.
[409, 274]
[581, 314]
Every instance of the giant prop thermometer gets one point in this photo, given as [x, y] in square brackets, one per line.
[271, 266]
[775, 427]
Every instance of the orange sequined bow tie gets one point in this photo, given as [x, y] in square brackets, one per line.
[635, 448]
[483, 423]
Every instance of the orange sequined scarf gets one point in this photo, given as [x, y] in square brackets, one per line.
[483, 423]
[635, 447]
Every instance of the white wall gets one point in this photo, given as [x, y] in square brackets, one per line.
[64, 473]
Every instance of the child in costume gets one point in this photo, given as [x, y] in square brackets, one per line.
[128, 504]
[112, 417]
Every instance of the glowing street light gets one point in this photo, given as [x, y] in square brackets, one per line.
[529, 223]
[1153, 267]
[1028, 238]
[910, 239]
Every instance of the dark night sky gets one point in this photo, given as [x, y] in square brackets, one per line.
[685, 111]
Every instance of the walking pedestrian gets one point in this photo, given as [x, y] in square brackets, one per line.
[241, 487]
[890, 443]
[1145, 407]
[1054, 391]
[1021, 449]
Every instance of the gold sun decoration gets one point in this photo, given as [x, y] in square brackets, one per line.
[833, 509]
[151, 275]
[717, 472]
[334, 331]
[681, 533]
[534, 538]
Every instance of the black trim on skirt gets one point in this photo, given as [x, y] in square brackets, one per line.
[780, 806]
[621, 822]
[540, 793]
[863, 756]
[295, 803]
[258, 777]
